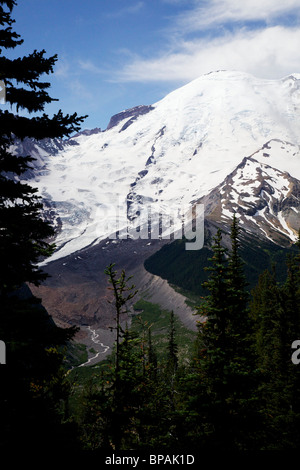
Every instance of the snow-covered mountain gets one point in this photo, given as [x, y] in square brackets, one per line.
[266, 199]
[227, 139]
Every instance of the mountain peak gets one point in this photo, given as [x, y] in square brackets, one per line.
[131, 114]
[177, 151]
[266, 200]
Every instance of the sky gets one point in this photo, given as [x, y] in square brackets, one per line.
[116, 54]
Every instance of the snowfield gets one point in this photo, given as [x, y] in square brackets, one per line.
[174, 154]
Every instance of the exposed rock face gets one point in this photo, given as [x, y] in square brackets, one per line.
[131, 113]
[96, 130]
[266, 200]
[40, 150]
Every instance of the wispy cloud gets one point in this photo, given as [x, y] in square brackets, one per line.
[209, 13]
[80, 89]
[89, 66]
[251, 36]
[128, 10]
[71, 77]
[271, 53]
[62, 69]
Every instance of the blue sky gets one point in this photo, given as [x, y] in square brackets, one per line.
[115, 54]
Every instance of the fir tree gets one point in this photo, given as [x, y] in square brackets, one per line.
[275, 311]
[119, 288]
[214, 308]
[152, 356]
[123, 381]
[237, 285]
[225, 362]
[291, 307]
[33, 388]
[172, 345]
[23, 231]
[291, 295]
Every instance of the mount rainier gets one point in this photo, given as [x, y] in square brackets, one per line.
[227, 140]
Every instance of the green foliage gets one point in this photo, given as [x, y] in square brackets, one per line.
[122, 294]
[172, 345]
[225, 364]
[75, 355]
[185, 269]
[275, 310]
[236, 387]
[158, 322]
[179, 266]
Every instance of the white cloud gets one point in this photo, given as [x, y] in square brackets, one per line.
[269, 53]
[70, 76]
[62, 69]
[89, 66]
[208, 13]
[131, 10]
[251, 35]
[135, 8]
[80, 89]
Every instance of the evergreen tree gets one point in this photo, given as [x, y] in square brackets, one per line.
[172, 345]
[267, 315]
[237, 285]
[291, 308]
[32, 387]
[275, 312]
[120, 288]
[127, 393]
[291, 296]
[226, 373]
[214, 308]
[23, 231]
[125, 372]
[95, 414]
[127, 408]
[152, 356]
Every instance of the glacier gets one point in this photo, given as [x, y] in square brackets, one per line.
[171, 155]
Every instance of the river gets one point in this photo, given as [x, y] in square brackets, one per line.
[95, 340]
